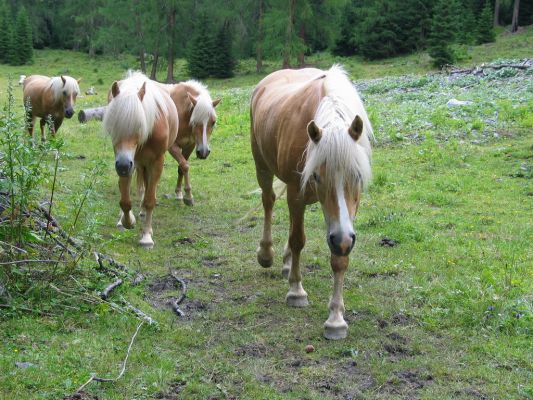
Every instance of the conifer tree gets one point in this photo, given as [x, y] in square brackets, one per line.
[5, 33]
[485, 30]
[441, 34]
[202, 49]
[23, 38]
[223, 61]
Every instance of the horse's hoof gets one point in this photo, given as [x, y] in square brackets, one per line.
[146, 243]
[179, 196]
[297, 299]
[335, 331]
[142, 214]
[120, 226]
[188, 201]
[265, 258]
[285, 272]
[128, 223]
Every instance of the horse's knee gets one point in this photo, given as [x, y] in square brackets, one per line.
[125, 205]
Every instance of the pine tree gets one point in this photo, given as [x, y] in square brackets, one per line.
[5, 33]
[441, 35]
[11, 56]
[202, 49]
[23, 38]
[485, 25]
[223, 61]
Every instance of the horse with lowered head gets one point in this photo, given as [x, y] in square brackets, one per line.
[51, 99]
[310, 130]
[197, 118]
[142, 121]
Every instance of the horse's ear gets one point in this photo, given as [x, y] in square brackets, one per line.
[114, 89]
[356, 128]
[314, 132]
[64, 80]
[78, 80]
[142, 91]
[215, 102]
[192, 99]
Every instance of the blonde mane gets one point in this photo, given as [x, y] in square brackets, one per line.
[204, 109]
[127, 115]
[57, 86]
[346, 161]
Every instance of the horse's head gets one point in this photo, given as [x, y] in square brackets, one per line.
[337, 178]
[125, 121]
[203, 119]
[69, 91]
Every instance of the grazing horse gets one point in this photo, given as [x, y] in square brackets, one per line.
[310, 130]
[49, 98]
[197, 118]
[143, 123]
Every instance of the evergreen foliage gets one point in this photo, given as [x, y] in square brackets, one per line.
[5, 33]
[485, 26]
[23, 38]
[223, 61]
[202, 49]
[441, 34]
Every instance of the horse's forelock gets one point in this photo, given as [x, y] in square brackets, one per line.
[70, 85]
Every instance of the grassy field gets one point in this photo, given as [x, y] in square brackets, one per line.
[446, 313]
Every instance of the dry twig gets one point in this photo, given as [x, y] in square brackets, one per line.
[107, 291]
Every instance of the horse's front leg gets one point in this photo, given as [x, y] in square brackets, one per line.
[151, 178]
[127, 219]
[335, 326]
[56, 124]
[42, 124]
[297, 296]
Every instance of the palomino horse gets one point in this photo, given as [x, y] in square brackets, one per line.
[143, 123]
[309, 129]
[46, 97]
[197, 118]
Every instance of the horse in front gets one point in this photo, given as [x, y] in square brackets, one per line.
[197, 118]
[309, 129]
[142, 121]
[51, 99]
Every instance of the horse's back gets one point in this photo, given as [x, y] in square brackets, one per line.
[282, 105]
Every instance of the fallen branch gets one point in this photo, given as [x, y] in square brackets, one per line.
[107, 291]
[96, 113]
[95, 378]
[140, 314]
[32, 261]
[175, 303]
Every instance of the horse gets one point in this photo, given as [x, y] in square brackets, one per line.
[309, 129]
[142, 121]
[51, 99]
[197, 118]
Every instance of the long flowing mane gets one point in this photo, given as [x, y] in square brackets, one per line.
[204, 109]
[56, 85]
[346, 161]
[127, 115]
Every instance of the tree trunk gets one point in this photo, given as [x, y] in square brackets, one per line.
[140, 38]
[259, 48]
[91, 113]
[288, 38]
[170, 53]
[301, 54]
[497, 13]
[153, 73]
[514, 24]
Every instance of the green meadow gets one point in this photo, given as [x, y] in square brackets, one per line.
[444, 313]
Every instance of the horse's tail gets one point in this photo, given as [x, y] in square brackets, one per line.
[279, 190]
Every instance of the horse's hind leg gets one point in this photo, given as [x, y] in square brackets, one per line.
[183, 170]
[141, 188]
[126, 220]
[296, 297]
[151, 178]
[42, 123]
[265, 252]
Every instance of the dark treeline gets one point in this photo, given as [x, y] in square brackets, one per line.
[221, 32]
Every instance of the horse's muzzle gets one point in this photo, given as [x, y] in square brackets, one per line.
[341, 244]
[124, 167]
[69, 112]
[202, 152]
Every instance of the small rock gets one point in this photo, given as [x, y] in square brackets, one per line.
[458, 103]
[24, 364]
[309, 348]
[387, 242]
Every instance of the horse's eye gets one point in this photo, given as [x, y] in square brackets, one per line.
[316, 178]
[64, 92]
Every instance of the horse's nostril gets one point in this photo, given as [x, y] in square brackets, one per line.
[352, 235]
[131, 164]
[332, 238]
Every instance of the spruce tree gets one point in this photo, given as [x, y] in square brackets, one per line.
[202, 49]
[23, 37]
[11, 56]
[441, 35]
[485, 26]
[5, 33]
[223, 61]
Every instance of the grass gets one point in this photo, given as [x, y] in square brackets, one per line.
[447, 313]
